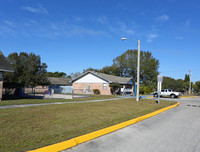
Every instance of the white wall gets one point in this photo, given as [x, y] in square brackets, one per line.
[90, 78]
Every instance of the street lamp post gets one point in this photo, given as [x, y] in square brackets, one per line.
[138, 71]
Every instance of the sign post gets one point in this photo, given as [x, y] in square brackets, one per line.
[159, 79]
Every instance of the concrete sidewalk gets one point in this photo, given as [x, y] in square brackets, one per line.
[42, 104]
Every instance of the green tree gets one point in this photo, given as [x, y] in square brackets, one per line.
[125, 65]
[90, 69]
[28, 71]
[169, 83]
[57, 74]
[177, 85]
[197, 87]
[187, 78]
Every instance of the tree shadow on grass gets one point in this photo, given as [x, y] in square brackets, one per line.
[25, 96]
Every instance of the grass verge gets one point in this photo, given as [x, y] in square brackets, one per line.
[23, 129]
[36, 101]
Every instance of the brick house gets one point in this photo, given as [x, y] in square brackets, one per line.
[100, 81]
[60, 85]
[4, 67]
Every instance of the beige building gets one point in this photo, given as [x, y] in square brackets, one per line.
[94, 80]
[4, 67]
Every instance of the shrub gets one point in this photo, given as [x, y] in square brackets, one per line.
[145, 90]
[96, 91]
[115, 88]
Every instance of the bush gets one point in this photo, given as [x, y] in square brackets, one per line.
[198, 94]
[145, 90]
[96, 91]
[114, 85]
[115, 88]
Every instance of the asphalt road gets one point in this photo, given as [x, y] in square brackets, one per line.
[175, 130]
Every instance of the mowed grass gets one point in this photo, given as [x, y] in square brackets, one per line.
[36, 101]
[23, 129]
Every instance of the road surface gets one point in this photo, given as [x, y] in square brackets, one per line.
[175, 130]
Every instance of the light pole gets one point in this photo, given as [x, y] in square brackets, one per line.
[138, 70]
[190, 82]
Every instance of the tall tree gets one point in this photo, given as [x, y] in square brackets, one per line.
[56, 74]
[177, 85]
[197, 87]
[28, 71]
[187, 78]
[90, 69]
[126, 66]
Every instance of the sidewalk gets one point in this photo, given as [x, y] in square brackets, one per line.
[42, 104]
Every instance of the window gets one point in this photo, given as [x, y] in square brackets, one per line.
[104, 85]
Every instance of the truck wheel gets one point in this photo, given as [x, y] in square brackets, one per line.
[173, 96]
[156, 95]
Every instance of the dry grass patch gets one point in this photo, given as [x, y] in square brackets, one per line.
[23, 129]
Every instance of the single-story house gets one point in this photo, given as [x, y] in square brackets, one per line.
[95, 80]
[4, 67]
[60, 85]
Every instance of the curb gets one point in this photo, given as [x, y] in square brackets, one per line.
[149, 97]
[189, 96]
[80, 139]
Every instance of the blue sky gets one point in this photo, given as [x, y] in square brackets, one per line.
[72, 35]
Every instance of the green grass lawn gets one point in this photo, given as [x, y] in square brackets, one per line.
[34, 101]
[23, 129]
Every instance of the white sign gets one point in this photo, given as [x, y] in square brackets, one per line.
[159, 78]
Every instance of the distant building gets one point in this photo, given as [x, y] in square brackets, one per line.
[4, 67]
[60, 85]
[100, 81]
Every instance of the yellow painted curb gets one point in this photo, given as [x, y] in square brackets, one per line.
[77, 140]
[150, 97]
[189, 96]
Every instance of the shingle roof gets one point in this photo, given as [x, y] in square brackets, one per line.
[108, 78]
[60, 81]
[4, 64]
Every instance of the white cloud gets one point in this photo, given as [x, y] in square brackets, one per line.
[9, 23]
[39, 10]
[102, 20]
[7, 31]
[150, 37]
[162, 18]
[124, 29]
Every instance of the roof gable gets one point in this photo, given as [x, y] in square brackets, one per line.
[4, 64]
[90, 78]
[106, 77]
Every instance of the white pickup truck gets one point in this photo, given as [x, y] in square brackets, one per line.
[167, 93]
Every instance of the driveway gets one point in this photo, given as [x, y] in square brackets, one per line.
[175, 130]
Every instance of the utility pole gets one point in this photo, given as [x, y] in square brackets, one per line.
[190, 82]
[138, 72]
